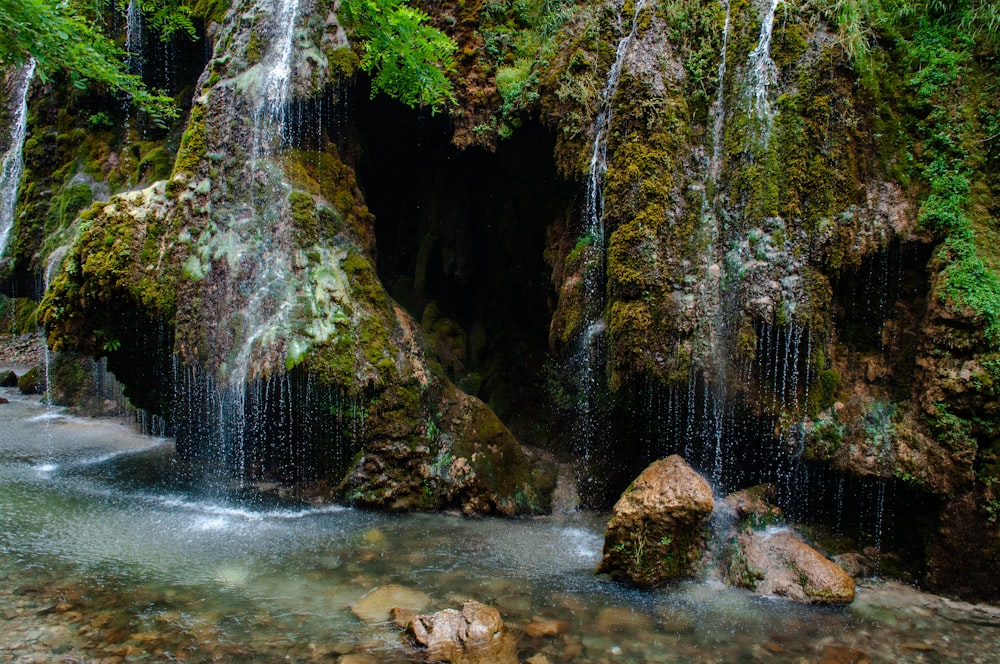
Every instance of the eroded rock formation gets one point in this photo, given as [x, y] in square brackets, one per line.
[657, 530]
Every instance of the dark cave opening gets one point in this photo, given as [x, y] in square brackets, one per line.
[461, 238]
[878, 306]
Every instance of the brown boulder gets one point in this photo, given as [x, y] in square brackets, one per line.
[754, 504]
[657, 528]
[474, 635]
[781, 564]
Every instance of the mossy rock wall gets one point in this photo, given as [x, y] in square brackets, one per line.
[242, 292]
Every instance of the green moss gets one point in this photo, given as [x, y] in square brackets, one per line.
[746, 342]
[650, 556]
[255, 47]
[32, 381]
[105, 282]
[325, 175]
[632, 260]
[18, 315]
[365, 284]
[788, 42]
[342, 63]
[66, 205]
[210, 10]
[304, 218]
[157, 164]
[193, 148]
[629, 328]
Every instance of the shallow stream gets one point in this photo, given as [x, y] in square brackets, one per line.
[106, 557]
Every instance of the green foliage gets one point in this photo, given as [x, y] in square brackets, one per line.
[519, 42]
[408, 60]
[938, 44]
[62, 37]
[164, 17]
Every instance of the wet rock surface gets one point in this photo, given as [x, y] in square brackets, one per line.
[384, 602]
[781, 564]
[657, 528]
[754, 504]
[474, 635]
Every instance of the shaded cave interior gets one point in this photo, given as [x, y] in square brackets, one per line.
[461, 239]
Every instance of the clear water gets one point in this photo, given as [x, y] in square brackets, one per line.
[107, 552]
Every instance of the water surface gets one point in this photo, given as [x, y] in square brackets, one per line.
[109, 553]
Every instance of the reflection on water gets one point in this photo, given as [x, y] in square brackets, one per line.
[109, 553]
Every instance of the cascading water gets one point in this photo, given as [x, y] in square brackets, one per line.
[719, 107]
[599, 151]
[763, 74]
[271, 93]
[13, 160]
[265, 289]
[134, 38]
[710, 285]
[588, 359]
[276, 298]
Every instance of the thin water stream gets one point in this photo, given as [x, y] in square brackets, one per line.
[108, 554]
[12, 162]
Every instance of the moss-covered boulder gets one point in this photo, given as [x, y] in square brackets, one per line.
[780, 564]
[458, 455]
[658, 527]
[32, 381]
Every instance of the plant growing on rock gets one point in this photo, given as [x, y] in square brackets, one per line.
[66, 37]
[407, 59]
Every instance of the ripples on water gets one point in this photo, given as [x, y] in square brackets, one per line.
[106, 551]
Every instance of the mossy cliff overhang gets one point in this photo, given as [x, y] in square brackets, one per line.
[734, 229]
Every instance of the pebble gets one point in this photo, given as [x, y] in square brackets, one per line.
[542, 627]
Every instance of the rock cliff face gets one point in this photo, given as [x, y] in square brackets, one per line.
[646, 228]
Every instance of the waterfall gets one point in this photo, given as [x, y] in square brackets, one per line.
[719, 107]
[263, 271]
[133, 38]
[763, 73]
[588, 358]
[599, 152]
[51, 265]
[275, 77]
[261, 289]
[13, 160]
[717, 413]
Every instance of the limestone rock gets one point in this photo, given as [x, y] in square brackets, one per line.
[474, 635]
[656, 531]
[378, 605]
[781, 564]
[754, 504]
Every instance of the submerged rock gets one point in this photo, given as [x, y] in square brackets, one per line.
[781, 564]
[474, 635]
[657, 529]
[378, 605]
